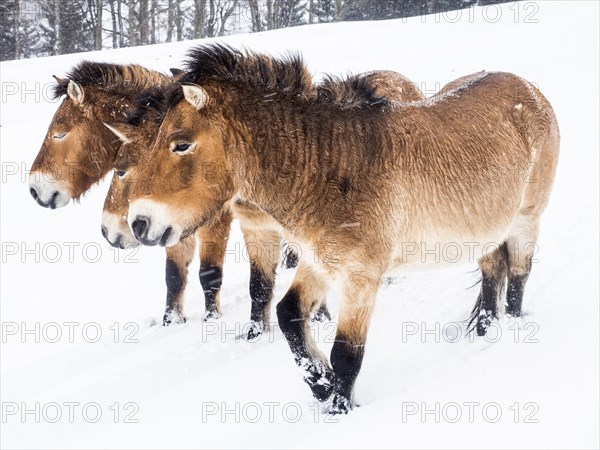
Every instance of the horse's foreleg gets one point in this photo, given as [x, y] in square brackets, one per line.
[294, 313]
[179, 257]
[348, 350]
[213, 244]
[263, 246]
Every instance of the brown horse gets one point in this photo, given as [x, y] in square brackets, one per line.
[262, 234]
[364, 186]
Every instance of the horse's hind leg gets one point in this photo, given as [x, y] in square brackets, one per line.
[213, 245]
[521, 246]
[179, 257]
[494, 268]
[263, 246]
[294, 313]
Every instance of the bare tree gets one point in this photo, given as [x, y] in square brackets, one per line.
[17, 28]
[254, 9]
[142, 21]
[132, 24]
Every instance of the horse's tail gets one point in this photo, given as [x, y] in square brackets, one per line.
[477, 308]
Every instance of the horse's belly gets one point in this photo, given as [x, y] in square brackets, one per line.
[433, 252]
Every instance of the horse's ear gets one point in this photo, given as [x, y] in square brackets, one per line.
[59, 80]
[175, 71]
[75, 92]
[195, 95]
[123, 131]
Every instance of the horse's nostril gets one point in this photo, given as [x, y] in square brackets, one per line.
[52, 202]
[140, 226]
[104, 232]
[165, 236]
[33, 193]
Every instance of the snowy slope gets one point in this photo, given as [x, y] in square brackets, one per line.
[198, 385]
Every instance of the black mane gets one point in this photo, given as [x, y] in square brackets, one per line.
[270, 77]
[259, 73]
[123, 79]
[351, 92]
[148, 106]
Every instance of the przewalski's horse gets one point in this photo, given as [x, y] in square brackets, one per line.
[78, 151]
[262, 234]
[354, 183]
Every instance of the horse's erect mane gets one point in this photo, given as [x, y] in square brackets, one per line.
[126, 80]
[271, 77]
[351, 92]
[262, 74]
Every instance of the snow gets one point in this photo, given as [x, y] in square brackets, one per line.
[201, 385]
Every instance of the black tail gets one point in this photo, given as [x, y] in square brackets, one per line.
[476, 311]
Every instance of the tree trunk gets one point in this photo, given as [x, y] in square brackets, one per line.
[178, 20]
[98, 26]
[17, 25]
[57, 34]
[255, 15]
[113, 19]
[143, 21]
[199, 18]
[338, 10]
[131, 28]
[170, 20]
[153, 14]
[120, 20]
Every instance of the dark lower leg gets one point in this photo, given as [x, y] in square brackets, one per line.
[176, 279]
[293, 324]
[494, 268]
[213, 245]
[211, 277]
[261, 292]
[346, 360]
[488, 298]
[514, 295]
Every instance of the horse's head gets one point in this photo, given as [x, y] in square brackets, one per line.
[185, 179]
[135, 139]
[77, 150]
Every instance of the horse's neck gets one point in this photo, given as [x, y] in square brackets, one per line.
[289, 164]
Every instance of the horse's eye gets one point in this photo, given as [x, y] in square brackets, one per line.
[181, 148]
[120, 173]
[59, 135]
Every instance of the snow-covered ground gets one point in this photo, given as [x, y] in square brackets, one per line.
[534, 384]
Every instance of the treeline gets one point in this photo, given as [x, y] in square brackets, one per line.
[52, 27]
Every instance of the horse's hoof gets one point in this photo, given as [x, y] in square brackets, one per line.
[211, 315]
[172, 317]
[339, 405]
[255, 331]
[321, 383]
[483, 323]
